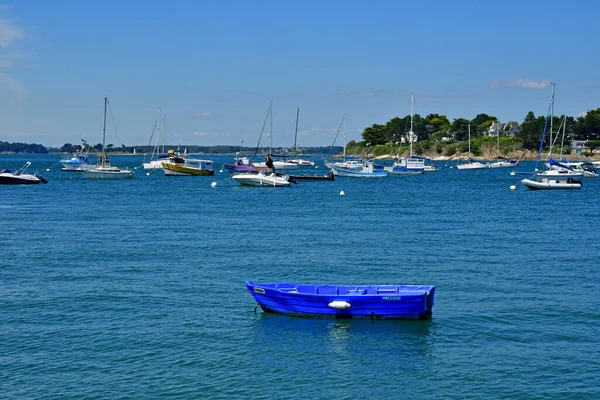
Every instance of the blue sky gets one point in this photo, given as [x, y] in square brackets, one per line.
[212, 67]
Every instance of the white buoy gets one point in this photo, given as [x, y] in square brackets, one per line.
[342, 193]
[339, 305]
[147, 173]
[221, 171]
[513, 187]
[214, 184]
[47, 169]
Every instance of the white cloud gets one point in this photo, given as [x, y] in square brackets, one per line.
[521, 83]
[201, 133]
[9, 33]
[11, 85]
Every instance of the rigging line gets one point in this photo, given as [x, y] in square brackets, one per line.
[543, 135]
[262, 131]
[336, 135]
[112, 117]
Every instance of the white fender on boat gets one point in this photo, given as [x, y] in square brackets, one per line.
[339, 305]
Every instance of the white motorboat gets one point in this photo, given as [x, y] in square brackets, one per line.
[19, 177]
[78, 161]
[262, 179]
[104, 170]
[504, 163]
[368, 170]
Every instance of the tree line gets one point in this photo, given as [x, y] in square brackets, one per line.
[436, 128]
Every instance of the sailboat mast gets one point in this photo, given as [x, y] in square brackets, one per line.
[158, 137]
[296, 134]
[271, 126]
[551, 118]
[164, 131]
[103, 158]
[412, 105]
[469, 127]
[345, 126]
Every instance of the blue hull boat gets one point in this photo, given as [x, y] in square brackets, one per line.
[343, 301]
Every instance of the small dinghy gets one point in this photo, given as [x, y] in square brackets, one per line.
[344, 301]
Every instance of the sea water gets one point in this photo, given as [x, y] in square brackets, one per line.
[134, 288]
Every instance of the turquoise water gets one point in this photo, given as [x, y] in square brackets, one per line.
[135, 288]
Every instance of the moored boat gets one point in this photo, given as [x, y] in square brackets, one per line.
[179, 166]
[263, 179]
[104, 170]
[78, 161]
[19, 177]
[368, 170]
[344, 301]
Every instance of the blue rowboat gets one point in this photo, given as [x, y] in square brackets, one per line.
[344, 301]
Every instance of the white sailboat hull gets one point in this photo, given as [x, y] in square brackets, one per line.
[474, 165]
[154, 164]
[107, 173]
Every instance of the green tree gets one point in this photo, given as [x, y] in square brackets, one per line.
[480, 119]
[531, 131]
[374, 135]
[460, 129]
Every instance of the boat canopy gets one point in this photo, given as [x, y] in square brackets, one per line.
[552, 162]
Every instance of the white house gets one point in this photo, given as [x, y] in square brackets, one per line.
[504, 129]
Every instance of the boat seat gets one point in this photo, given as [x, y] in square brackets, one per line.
[327, 290]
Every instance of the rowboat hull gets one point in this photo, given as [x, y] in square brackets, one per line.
[342, 301]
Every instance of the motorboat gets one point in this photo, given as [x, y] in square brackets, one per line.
[344, 301]
[407, 166]
[263, 179]
[179, 166]
[79, 161]
[19, 177]
[368, 170]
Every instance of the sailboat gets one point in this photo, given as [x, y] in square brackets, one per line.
[158, 155]
[299, 161]
[280, 162]
[559, 176]
[347, 161]
[104, 170]
[502, 162]
[472, 164]
[410, 165]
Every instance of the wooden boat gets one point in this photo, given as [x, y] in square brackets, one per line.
[179, 166]
[344, 301]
